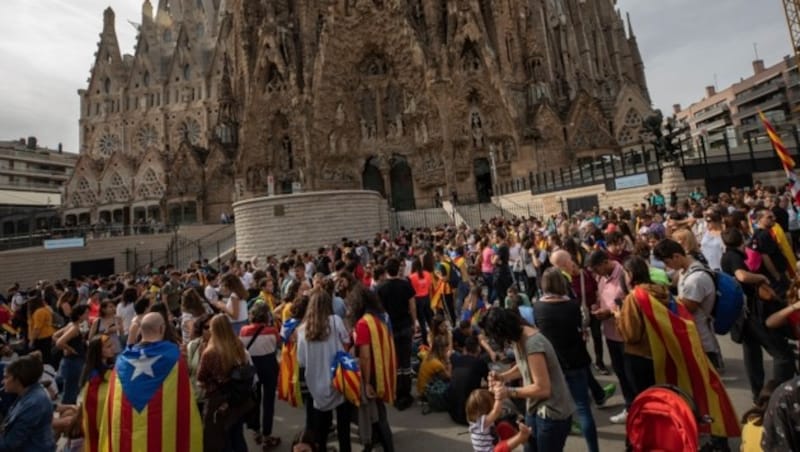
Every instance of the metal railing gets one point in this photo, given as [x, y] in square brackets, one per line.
[37, 238]
[182, 251]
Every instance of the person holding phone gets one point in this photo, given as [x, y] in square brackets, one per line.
[109, 324]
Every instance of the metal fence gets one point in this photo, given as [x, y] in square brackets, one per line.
[38, 237]
[181, 251]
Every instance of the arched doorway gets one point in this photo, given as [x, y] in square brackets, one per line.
[371, 177]
[483, 179]
[402, 184]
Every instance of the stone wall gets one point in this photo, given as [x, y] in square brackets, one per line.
[29, 265]
[306, 221]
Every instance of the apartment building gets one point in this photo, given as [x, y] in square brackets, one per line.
[729, 118]
[31, 183]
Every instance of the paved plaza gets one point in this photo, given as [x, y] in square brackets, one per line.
[416, 432]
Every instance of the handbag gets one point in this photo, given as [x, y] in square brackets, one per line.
[241, 386]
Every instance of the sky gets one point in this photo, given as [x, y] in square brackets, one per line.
[47, 48]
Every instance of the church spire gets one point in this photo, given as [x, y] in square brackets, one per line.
[630, 27]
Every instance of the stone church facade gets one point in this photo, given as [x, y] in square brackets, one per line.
[227, 100]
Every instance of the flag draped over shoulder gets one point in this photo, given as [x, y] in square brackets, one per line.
[679, 359]
[94, 401]
[382, 345]
[289, 371]
[150, 405]
[784, 156]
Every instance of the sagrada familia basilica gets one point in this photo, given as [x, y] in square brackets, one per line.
[224, 100]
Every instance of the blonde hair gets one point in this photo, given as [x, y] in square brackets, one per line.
[480, 402]
[318, 312]
[225, 343]
[687, 240]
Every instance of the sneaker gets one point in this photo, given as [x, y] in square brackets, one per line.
[608, 391]
[576, 429]
[620, 418]
[601, 369]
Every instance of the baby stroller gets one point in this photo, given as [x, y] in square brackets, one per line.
[663, 418]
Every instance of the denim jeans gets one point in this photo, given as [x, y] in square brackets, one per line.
[71, 368]
[578, 383]
[237, 327]
[547, 435]
[617, 352]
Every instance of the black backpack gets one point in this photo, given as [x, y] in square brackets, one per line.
[454, 277]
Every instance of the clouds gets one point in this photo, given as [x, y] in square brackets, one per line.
[685, 43]
[48, 46]
[46, 52]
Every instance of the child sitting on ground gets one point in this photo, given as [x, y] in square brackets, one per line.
[483, 411]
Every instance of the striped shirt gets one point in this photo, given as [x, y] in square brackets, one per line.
[481, 435]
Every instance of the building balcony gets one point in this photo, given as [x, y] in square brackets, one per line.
[776, 101]
[30, 186]
[751, 95]
[709, 114]
[714, 125]
[30, 172]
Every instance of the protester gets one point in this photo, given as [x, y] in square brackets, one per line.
[27, 425]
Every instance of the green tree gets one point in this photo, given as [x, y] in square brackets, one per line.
[664, 135]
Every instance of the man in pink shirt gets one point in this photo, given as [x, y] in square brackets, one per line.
[611, 291]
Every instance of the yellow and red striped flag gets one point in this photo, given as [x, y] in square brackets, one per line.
[679, 360]
[383, 355]
[783, 155]
[289, 370]
[347, 377]
[94, 401]
[150, 405]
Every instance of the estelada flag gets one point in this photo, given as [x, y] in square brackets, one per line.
[346, 377]
[679, 360]
[150, 405]
[289, 370]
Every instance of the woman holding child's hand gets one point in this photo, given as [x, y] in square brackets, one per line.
[549, 405]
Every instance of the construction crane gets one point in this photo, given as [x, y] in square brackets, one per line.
[792, 10]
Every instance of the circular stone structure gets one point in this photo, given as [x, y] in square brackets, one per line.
[305, 221]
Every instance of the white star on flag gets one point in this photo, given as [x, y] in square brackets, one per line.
[143, 365]
[349, 362]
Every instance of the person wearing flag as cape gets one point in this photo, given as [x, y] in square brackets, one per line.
[374, 348]
[663, 346]
[150, 405]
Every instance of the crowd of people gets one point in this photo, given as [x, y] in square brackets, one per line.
[491, 325]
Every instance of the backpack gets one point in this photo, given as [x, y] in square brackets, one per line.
[663, 418]
[729, 303]
[436, 395]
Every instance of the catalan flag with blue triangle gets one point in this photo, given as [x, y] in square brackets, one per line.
[346, 377]
[150, 404]
[289, 370]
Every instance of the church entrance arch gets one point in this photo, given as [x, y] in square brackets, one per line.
[372, 178]
[402, 184]
[483, 179]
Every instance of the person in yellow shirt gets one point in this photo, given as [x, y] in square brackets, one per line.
[40, 326]
[435, 365]
[753, 420]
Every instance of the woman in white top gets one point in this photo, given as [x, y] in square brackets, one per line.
[321, 335]
[711, 244]
[235, 305]
[192, 307]
[126, 312]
